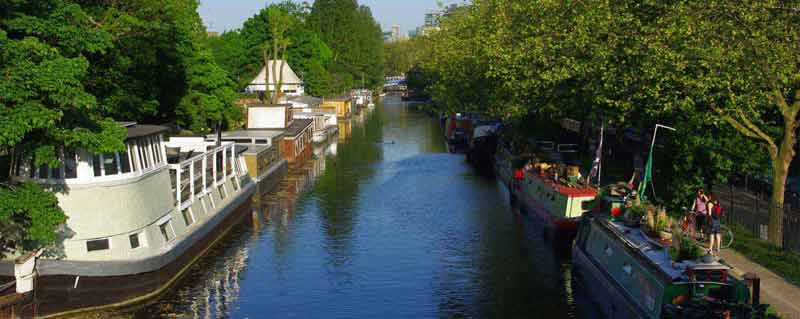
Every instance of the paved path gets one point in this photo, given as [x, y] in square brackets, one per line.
[781, 295]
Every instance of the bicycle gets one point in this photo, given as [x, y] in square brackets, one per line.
[727, 237]
[688, 226]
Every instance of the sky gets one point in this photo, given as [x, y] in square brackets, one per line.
[223, 15]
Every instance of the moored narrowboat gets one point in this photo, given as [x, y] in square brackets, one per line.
[628, 274]
[555, 194]
[137, 219]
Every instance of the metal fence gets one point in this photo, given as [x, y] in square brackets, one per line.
[746, 203]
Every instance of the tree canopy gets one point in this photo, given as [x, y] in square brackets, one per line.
[73, 68]
[725, 75]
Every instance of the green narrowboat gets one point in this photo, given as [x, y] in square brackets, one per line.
[627, 274]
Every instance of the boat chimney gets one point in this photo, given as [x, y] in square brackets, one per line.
[24, 271]
[754, 282]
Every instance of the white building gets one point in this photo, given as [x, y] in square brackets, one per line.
[292, 84]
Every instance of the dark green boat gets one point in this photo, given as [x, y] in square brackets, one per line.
[627, 274]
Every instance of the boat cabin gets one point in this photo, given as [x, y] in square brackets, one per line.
[143, 153]
[343, 105]
[304, 102]
[262, 149]
[320, 128]
[126, 205]
[297, 141]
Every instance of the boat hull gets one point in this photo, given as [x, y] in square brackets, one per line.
[595, 283]
[58, 295]
[561, 229]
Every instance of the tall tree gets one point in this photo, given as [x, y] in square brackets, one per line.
[71, 69]
[741, 62]
[45, 108]
[355, 40]
[280, 22]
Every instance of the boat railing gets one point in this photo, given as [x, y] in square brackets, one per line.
[196, 176]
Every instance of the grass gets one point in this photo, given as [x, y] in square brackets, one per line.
[782, 262]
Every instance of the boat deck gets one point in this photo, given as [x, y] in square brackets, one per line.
[566, 190]
[651, 250]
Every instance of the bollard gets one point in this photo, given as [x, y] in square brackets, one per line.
[754, 283]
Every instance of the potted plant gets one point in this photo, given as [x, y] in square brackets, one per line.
[634, 214]
[661, 223]
[684, 248]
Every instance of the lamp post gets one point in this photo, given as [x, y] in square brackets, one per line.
[648, 170]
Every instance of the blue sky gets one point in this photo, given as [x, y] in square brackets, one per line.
[221, 15]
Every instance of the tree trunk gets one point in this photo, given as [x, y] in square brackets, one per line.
[779, 173]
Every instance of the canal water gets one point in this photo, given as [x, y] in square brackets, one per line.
[383, 223]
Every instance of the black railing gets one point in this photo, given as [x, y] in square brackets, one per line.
[748, 206]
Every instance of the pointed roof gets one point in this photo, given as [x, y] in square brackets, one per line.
[265, 76]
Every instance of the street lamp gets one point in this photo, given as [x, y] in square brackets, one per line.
[648, 170]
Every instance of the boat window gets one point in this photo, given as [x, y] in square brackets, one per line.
[134, 239]
[188, 218]
[42, 171]
[96, 165]
[154, 149]
[587, 205]
[125, 162]
[110, 164]
[70, 165]
[234, 182]
[221, 189]
[262, 142]
[55, 172]
[132, 157]
[97, 244]
[204, 204]
[166, 230]
[143, 151]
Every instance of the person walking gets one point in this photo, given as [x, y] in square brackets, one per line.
[701, 212]
[715, 226]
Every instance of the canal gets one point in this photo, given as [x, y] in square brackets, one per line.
[383, 223]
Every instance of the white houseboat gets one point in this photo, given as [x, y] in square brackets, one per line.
[137, 219]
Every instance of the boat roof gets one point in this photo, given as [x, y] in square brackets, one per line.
[311, 113]
[566, 190]
[247, 134]
[655, 253]
[251, 148]
[142, 130]
[297, 126]
[638, 241]
[309, 100]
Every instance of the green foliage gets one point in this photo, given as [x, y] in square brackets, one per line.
[725, 75]
[240, 51]
[355, 40]
[28, 216]
[210, 97]
[72, 68]
[687, 249]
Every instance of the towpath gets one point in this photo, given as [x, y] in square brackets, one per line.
[783, 296]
